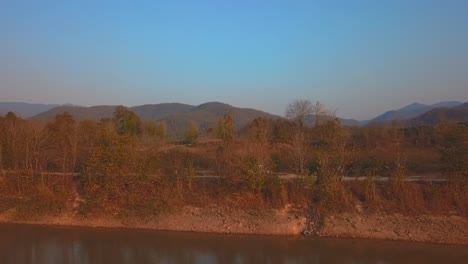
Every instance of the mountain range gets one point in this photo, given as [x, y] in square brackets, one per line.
[180, 116]
[411, 111]
[25, 110]
[458, 113]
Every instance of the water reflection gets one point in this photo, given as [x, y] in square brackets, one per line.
[38, 244]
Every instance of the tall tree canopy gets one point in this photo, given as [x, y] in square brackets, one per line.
[126, 122]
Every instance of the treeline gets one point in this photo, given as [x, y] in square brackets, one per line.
[126, 167]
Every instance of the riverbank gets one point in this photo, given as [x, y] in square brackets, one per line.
[287, 221]
[211, 219]
[434, 229]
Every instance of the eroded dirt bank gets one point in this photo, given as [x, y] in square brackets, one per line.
[435, 229]
[208, 219]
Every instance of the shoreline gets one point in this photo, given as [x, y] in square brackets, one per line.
[452, 230]
[425, 228]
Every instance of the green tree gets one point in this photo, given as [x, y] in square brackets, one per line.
[105, 172]
[191, 134]
[126, 122]
[225, 128]
[155, 130]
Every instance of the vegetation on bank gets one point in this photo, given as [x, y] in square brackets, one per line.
[124, 167]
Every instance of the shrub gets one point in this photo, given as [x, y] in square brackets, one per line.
[43, 201]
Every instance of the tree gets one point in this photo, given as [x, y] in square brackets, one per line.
[191, 134]
[332, 157]
[35, 137]
[332, 149]
[155, 130]
[261, 130]
[10, 141]
[64, 138]
[126, 122]
[298, 110]
[322, 114]
[87, 138]
[453, 146]
[225, 128]
[106, 170]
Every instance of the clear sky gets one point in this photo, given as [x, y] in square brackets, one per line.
[361, 57]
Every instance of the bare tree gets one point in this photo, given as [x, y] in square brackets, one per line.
[64, 138]
[261, 130]
[298, 110]
[322, 114]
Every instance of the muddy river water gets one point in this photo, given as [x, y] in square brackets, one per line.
[46, 244]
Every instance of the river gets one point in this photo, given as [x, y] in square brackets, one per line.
[47, 244]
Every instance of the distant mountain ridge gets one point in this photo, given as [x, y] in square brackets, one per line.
[453, 114]
[411, 111]
[175, 114]
[24, 110]
[145, 112]
[78, 112]
[310, 121]
[206, 116]
[179, 116]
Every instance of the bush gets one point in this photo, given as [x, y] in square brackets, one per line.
[43, 201]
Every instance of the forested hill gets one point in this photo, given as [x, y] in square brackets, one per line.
[178, 117]
[24, 110]
[411, 111]
[145, 112]
[78, 112]
[435, 116]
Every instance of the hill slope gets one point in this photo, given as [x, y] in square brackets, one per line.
[435, 116]
[24, 110]
[411, 111]
[78, 112]
[178, 117]
[310, 121]
[159, 111]
[206, 116]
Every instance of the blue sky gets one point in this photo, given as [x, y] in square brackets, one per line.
[360, 57]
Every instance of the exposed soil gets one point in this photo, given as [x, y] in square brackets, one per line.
[435, 229]
[208, 219]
